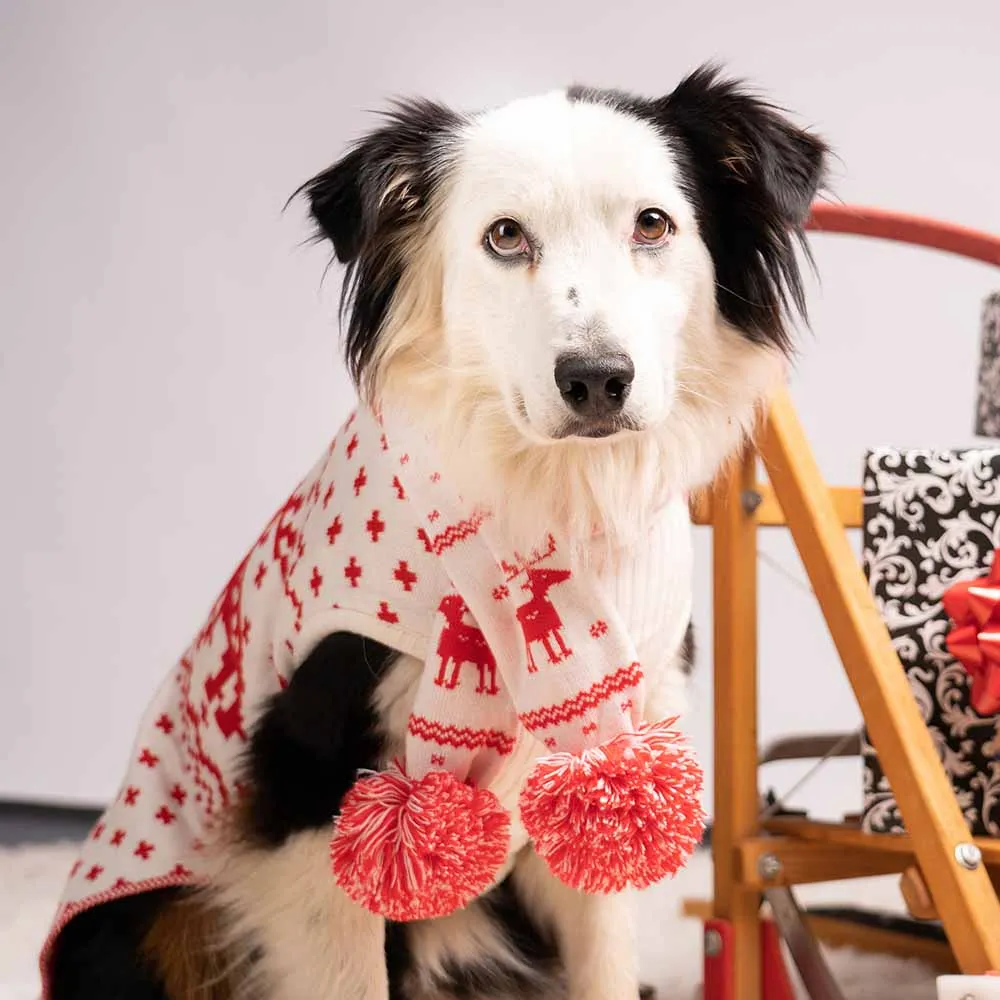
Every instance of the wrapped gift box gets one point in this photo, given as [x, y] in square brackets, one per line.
[932, 518]
[988, 401]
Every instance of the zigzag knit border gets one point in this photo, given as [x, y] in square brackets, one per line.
[462, 737]
[572, 708]
[453, 534]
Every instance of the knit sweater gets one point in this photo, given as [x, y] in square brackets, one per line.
[358, 547]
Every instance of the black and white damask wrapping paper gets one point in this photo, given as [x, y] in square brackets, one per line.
[933, 518]
[988, 402]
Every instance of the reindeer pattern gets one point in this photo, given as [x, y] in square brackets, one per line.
[461, 643]
[538, 617]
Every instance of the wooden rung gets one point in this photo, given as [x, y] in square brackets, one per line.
[798, 862]
[853, 837]
[838, 932]
[846, 499]
[916, 895]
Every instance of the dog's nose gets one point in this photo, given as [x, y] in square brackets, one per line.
[594, 385]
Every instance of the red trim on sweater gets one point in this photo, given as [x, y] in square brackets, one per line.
[68, 912]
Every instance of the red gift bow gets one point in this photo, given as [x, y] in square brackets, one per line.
[974, 607]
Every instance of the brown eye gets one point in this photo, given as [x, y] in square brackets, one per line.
[506, 238]
[652, 227]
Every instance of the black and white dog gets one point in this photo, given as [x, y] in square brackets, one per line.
[483, 250]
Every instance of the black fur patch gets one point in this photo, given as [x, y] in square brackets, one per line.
[751, 176]
[372, 203]
[98, 953]
[529, 946]
[308, 745]
[689, 650]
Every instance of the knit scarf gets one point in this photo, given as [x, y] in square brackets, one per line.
[615, 801]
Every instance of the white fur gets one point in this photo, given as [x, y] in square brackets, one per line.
[471, 343]
[313, 940]
[469, 346]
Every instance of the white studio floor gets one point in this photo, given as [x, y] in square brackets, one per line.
[670, 947]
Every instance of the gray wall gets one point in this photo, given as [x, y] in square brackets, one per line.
[167, 347]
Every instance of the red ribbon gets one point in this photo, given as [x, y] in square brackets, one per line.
[974, 607]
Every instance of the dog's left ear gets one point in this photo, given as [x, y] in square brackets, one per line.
[754, 175]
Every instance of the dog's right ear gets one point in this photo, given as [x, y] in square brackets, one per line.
[389, 175]
[336, 203]
[374, 206]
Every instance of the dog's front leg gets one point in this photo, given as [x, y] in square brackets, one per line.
[595, 933]
[301, 935]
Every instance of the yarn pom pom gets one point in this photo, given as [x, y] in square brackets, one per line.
[415, 849]
[624, 813]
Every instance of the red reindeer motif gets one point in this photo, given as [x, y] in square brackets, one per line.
[538, 617]
[228, 612]
[461, 643]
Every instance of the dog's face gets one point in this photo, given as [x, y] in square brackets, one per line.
[571, 259]
[571, 262]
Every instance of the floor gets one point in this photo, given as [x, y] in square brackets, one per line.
[37, 848]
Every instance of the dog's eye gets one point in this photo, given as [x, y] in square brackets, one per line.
[652, 227]
[506, 238]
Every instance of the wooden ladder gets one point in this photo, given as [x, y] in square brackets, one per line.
[938, 840]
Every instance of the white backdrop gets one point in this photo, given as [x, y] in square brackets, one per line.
[167, 348]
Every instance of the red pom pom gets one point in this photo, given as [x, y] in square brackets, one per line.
[624, 813]
[412, 850]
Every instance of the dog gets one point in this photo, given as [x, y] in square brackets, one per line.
[583, 299]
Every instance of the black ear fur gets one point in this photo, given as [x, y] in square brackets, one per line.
[371, 202]
[336, 204]
[752, 175]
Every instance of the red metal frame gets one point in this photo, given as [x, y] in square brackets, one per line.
[718, 970]
[880, 223]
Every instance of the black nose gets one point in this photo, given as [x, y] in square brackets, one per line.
[594, 385]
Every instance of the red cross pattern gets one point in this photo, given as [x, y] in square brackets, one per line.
[98, 830]
[405, 575]
[165, 724]
[398, 487]
[334, 530]
[359, 481]
[143, 850]
[165, 816]
[316, 581]
[94, 873]
[148, 758]
[178, 794]
[352, 446]
[375, 525]
[131, 794]
[259, 577]
[179, 871]
[353, 571]
[117, 838]
[328, 495]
